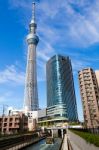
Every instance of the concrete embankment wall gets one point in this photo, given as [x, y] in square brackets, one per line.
[18, 142]
[79, 143]
[22, 146]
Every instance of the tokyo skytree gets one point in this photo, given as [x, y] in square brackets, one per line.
[31, 91]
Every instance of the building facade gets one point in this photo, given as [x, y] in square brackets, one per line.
[97, 76]
[61, 100]
[12, 124]
[31, 92]
[90, 97]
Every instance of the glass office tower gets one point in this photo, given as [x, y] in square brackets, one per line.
[61, 100]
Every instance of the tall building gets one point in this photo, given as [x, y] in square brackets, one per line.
[90, 97]
[61, 100]
[97, 76]
[31, 92]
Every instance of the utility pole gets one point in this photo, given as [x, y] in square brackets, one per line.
[3, 113]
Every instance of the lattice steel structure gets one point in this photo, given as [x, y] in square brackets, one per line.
[31, 92]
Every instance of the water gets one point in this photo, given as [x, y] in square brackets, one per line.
[43, 146]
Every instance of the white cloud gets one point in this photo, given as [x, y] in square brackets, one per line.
[9, 99]
[79, 64]
[42, 55]
[18, 3]
[70, 23]
[12, 75]
[45, 50]
[60, 22]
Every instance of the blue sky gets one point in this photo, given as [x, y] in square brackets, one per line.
[66, 27]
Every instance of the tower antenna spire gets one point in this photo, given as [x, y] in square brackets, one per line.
[33, 11]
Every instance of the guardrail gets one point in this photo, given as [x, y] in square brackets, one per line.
[66, 145]
[61, 144]
[69, 145]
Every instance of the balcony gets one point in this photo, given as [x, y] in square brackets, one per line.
[11, 119]
[17, 120]
[10, 125]
[5, 125]
[16, 125]
[0, 120]
[5, 119]
[0, 125]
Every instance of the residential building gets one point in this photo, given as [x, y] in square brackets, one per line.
[97, 76]
[31, 115]
[61, 100]
[90, 97]
[12, 124]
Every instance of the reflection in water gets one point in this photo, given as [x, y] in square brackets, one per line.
[43, 146]
[36, 146]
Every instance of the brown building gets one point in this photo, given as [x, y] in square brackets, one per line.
[90, 97]
[13, 124]
[97, 76]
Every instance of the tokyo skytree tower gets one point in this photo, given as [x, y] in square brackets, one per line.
[31, 91]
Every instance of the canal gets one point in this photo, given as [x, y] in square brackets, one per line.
[43, 146]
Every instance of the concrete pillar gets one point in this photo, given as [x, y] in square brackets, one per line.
[52, 134]
[50, 131]
[62, 133]
[38, 134]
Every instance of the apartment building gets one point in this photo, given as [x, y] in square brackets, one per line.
[97, 76]
[90, 97]
[13, 123]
